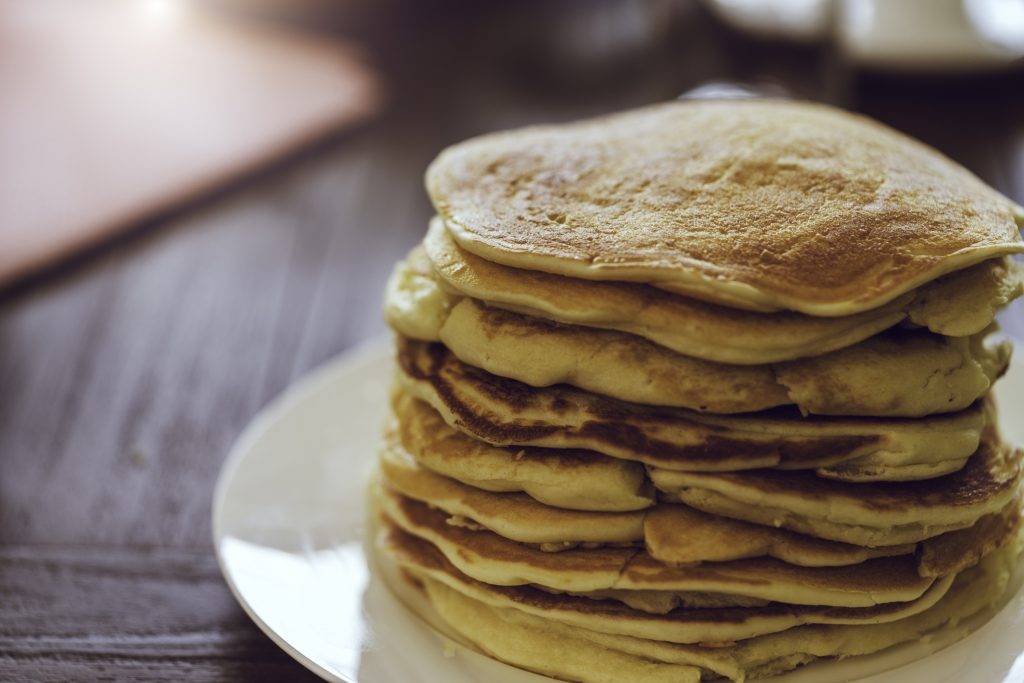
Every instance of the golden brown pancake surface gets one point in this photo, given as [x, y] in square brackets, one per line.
[495, 560]
[988, 481]
[681, 625]
[566, 478]
[503, 412]
[960, 304]
[901, 372]
[760, 204]
[564, 651]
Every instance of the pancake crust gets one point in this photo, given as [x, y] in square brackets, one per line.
[547, 646]
[880, 513]
[953, 552]
[898, 373]
[663, 602]
[504, 412]
[515, 516]
[495, 560]
[685, 325]
[674, 534]
[677, 534]
[678, 626]
[571, 479]
[960, 304]
[759, 204]
[541, 353]
[966, 301]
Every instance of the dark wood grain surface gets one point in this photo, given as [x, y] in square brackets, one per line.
[125, 375]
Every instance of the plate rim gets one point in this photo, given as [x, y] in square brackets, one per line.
[357, 358]
[362, 354]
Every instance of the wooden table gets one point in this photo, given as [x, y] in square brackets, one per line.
[125, 376]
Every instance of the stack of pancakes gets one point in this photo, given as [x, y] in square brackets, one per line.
[702, 390]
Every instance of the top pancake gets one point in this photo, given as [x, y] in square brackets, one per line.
[756, 204]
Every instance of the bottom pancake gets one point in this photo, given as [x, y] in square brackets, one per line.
[571, 653]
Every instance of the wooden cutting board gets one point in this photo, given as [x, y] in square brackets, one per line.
[111, 112]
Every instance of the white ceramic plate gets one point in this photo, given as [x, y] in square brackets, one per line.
[289, 531]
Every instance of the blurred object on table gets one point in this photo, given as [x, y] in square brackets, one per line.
[908, 36]
[114, 112]
[732, 90]
[932, 36]
[347, 17]
[801, 20]
[611, 38]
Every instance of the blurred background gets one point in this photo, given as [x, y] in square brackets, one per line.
[201, 200]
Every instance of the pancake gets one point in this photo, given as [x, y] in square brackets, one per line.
[514, 516]
[663, 602]
[414, 302]
[757, 204]
[674, 534]
[487, 557]
[679, 535]
[899, 373]
[501, 411]
[620, 365]
[955, 551]
[966, 301]
[687, 326]
[881, 513]
[960, 304]
[678, 626]
[558, 651]
[555, 649]
[571, 479]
